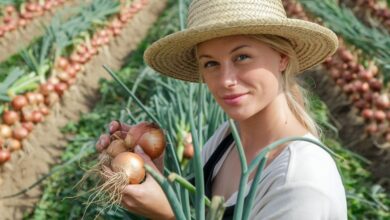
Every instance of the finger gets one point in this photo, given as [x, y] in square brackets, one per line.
[159, 162]
[114, 126]
[103, 142]
[138, 150]
[117, 125]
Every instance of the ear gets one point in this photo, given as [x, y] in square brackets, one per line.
[283, 62]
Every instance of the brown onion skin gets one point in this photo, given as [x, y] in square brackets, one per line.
[13, 145]
[28, 125]
[188, 146]
[5, 155]
[51, 99]
[46, 88]
[116, 147]
[31, 97]
[131, 164]
[20, 133]
[37, 116]
[153, 142]
[139, 129]
[10, 117]
[5, 131]
[44, 110]
[19, 102]
[60, 88]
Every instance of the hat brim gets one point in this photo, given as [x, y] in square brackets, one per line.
[173, 55]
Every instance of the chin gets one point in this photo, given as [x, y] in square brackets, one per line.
[239, 116]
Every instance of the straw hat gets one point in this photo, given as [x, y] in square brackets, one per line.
[173, 55]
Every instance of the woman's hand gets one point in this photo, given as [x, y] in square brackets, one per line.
[104, 141]
[147, 198]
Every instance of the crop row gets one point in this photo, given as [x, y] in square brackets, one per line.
[20, 15]
[360, 80]
[169, 102]
[52, 78]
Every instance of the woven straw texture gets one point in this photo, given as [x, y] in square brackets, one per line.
[173, 55]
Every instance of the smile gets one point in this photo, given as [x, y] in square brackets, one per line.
[233, 99]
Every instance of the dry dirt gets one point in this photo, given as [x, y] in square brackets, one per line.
[46, 141]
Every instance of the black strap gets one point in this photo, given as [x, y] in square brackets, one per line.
[208, 170]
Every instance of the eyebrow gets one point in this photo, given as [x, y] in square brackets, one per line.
[235, 49]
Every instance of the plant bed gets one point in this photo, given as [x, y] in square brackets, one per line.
[372, 12]
[366, 200]
[12, 42]
[47, 141]
[352, 129]
[355, 90]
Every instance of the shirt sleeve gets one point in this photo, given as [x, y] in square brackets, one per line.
[300, 201]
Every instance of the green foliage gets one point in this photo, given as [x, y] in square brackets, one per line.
[373, 41]
[61, 201]
[59, 39]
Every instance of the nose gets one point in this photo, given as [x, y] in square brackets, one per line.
[229, 75]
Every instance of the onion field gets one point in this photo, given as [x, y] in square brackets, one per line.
[69, 67]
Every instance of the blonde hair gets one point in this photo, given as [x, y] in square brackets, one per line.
[296, 95]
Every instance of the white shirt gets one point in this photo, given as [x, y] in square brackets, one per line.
[301, 183]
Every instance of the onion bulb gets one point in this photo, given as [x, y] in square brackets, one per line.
[116, 147]
[5, 131]
[19, 102]
[5, 156]
[188, 146]
[20, 133]
[13, 145]
[130, 164]
[10, 117]
[46, 88]
[152, 141]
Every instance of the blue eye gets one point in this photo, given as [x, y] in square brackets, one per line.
[242, 57]
[209, 64]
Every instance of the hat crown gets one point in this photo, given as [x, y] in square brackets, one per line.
[206, 12]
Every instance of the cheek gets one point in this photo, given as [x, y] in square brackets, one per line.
[268, 86]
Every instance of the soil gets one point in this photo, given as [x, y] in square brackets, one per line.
[46, 143]
[350, 126]
[16, 40]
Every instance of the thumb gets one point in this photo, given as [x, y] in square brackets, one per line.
[138, 150]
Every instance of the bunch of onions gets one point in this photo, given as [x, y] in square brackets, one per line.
[119, 166]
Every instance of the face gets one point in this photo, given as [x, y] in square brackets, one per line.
[242, 73]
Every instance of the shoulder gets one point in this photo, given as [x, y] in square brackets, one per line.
[309, 163]
[304, 180]
[213, 142]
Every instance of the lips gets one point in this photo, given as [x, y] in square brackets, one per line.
[233, 99]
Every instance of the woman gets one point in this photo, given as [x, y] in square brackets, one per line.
[248, 53]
